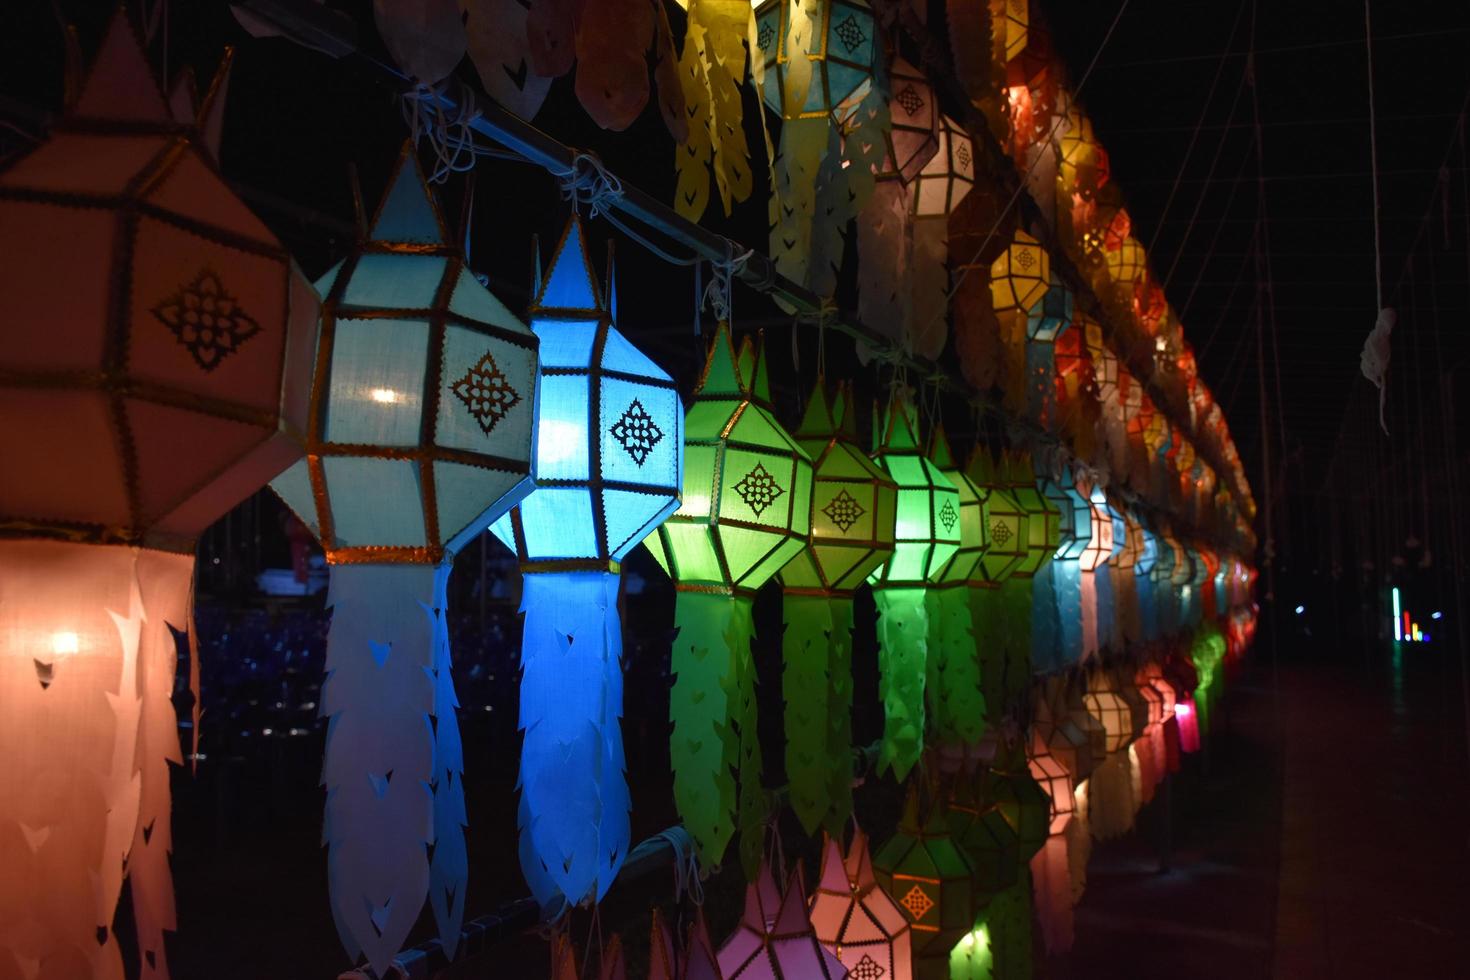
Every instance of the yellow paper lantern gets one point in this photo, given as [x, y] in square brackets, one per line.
[1018, 277]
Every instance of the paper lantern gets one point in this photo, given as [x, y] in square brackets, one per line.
[856, 920]
[1053, 315]
[914, 138]
[1013, 27]
[1074, 515]
[158, 352]
[1019, 276]
[948, 175]
[841, 48]
[421, 435]
[775, 939]
[926, 537]
[852, 524]
[1126, 263]
[1055, 781]
[1005, 522]
[1000, 820]
[925, 871]
[1100, 543]
[1044, 518]
[609, 448]
[745, 512]
[1106, 705]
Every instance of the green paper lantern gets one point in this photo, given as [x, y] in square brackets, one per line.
[1043, 525]
[1005, 528]
[926, 872]
[926, 538]
[745, 513]
[853, 503]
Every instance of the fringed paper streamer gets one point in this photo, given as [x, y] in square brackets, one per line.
[1126, 621]
[839, 714]
[1136, 779]
[379, 765]
[883, 257]
[1068, 584]
[1019, 633]
[959, 700]
[794, 176]
[1047, 639]
[713, 635]
[845, 186]
[1108, 632]
[71, 624]
[903, 628]
[987, 614]
[1009, 922]
[449, 870]
[572, 765]
[711, 69]
[928, 284]
[1110, 797]
[806, 656]
[496, 33]
[1079, 842]
[1051, 877]
[613, 38]
[971, 957]
[165, 583]
[1087, 588]
[1041, 392]
[754, 808]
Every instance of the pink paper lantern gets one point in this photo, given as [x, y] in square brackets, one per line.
[775, 939]
[858, 921]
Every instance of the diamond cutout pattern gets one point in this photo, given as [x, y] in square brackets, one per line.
[206, 321]
[1025, 259]
[1000, 532]
[962, 154]
[486, 393]
[851, 33]
[948, 516]
[917, 902]
[844, 510]
[865, 969]
[910, 99]
[636, 432]
[758, 489]
[765, 36]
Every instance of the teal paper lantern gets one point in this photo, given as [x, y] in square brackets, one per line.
[422, 413]
[609, 441]
[841, 45]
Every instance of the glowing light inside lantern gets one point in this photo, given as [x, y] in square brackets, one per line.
[1183, 709]
[64, 643]
[385, 396]
[558, 440]
[1300, 610]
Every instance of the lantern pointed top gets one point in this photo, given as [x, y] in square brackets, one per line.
[721, 375]
[793, 918]
[120, 86]
[844, 411]
[940, 453]
[700, 962]
[760, 377]
[834, 875]
[661, 957]
[407, 214]
[762, 901]
[816, 421]
[981, 467]
[901, 431]
[859, 863]
[569, 283]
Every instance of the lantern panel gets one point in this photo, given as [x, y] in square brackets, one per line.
[843, 38]
[948, 176]
[1053, 315]
[377, 382]
[913, 138]
[1018, 277]
[1075, 514]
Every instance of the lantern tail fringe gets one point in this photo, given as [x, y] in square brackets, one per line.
[1016, 633]
[1111, 797]
[1009, 920]
[1109, 636]
[574, 822]
[449, 868]
[960, 703]
[1087, 590]
[839, 715]
[1068, 579]
[166, 584]
[1052, 879]
[987, 618]
[378, 696]
[805, 682]
[928, 284]
[882, 244]
[903, 627]
[754, 809]
[704, 746]
[794, 177]
[70, 727]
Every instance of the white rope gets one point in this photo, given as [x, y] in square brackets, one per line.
[450, 136]
[718, 293]
[686, 864]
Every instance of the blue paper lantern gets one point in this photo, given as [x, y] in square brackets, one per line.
[609, 441]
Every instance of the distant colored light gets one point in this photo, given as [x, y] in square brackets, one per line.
[1416, 634]
[1181, 708]
[1398, 632]
[1426, 638]
[1300, 610]
[1436, 615]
